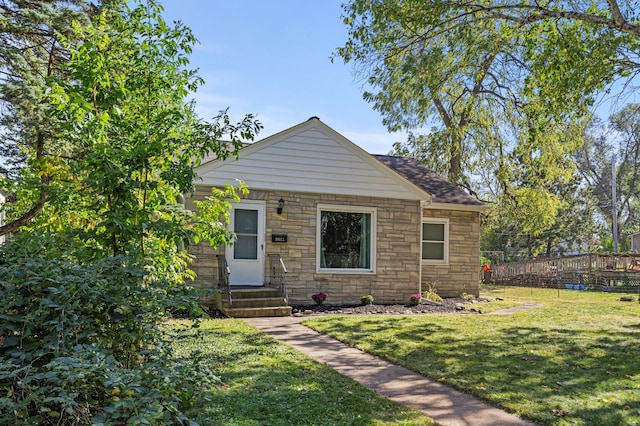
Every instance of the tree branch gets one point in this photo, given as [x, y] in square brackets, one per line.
[26, 217]
[530, 13]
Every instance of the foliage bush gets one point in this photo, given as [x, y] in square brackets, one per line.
[81, 340]
[467, 297]
[80, 336]
[367, 299]
[319, 298]
[415, 299]
[431, 293]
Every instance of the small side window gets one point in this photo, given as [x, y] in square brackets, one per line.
[435, 241]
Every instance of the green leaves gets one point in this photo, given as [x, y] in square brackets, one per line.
[619, 138]
[72, 328]
[109, 149]
[495, 94]
[126, 106]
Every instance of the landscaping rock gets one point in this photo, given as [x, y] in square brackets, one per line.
[430, 302]
[447, 306]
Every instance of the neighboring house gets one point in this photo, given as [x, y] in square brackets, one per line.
[344, 222]
[635, 243]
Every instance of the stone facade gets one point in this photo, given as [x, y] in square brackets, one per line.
[397, 272]
[461, 274]
[398, 230]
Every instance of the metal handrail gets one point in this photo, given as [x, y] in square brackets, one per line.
[223, 276]
[278, 274]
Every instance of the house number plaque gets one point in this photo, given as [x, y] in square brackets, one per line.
[278, 238]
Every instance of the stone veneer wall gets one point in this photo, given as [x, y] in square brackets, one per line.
[462, 272]
[397, 258]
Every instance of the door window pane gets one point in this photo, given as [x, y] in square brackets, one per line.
[246, 221]
[246, 247]
[246, 228]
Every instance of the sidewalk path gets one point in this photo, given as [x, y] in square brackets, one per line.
[446, 406]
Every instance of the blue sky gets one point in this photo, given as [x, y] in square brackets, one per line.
[271, 58]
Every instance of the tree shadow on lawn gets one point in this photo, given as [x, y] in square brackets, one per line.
[364, 329]
[548, 375]
[267, 383]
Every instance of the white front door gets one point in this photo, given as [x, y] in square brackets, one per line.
[246, 255]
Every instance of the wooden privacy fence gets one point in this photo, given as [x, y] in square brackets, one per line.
[609, 272]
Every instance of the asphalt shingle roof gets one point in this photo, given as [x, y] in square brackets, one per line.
[426, 179]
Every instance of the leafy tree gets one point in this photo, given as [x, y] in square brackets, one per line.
[574, 229]
[89, 279]
[31, 53]
[472, 84]
[124, 106]
[572, 49]
[620, 139]
[568, 48]
[449, 81]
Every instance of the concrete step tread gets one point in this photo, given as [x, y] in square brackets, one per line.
[253, 288]
[260, 292]
[249, 299]
[259, 302]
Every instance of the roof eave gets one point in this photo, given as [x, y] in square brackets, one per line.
[459, 207]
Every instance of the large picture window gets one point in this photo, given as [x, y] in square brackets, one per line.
[346, 240]
[435, 241]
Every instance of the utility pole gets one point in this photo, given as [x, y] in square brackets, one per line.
[614, 204]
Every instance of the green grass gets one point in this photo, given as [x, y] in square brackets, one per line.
[573, 361]
[264, 382]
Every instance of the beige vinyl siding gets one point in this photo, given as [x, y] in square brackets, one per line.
[311, 158]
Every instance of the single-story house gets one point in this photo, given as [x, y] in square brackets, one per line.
[343, 222]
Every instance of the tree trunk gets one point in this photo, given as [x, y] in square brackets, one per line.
[16, 224]
[455, 161]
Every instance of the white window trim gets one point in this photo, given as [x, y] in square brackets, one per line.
[348, 209]
[439, 221]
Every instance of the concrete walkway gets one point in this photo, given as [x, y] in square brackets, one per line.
[441, 403]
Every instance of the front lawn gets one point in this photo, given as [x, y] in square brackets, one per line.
[573, 361]
[264, 382]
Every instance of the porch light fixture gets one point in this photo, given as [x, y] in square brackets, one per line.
[280, 205]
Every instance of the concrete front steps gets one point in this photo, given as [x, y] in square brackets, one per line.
[252, 302]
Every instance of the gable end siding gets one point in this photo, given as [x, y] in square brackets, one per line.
[311, 158]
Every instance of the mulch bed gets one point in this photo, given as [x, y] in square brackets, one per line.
[447, 306]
